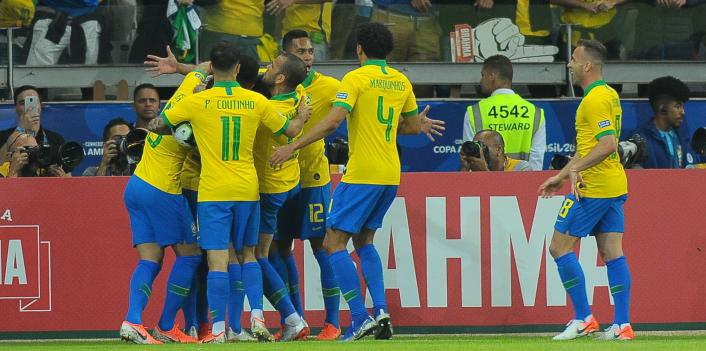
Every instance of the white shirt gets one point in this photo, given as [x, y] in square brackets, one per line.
[539, 140]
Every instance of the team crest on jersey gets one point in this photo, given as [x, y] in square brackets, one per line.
[308, 98]
[342, 96]
[603, 124]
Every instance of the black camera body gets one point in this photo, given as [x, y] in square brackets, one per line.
[474, 148]
[337, 151]
[130, 148]
[68, 156]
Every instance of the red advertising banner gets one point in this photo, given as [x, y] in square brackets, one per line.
[459, 250]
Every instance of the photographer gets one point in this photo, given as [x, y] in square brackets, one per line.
[19, 160]
[112, 163]
[666, 134]
[487, 153]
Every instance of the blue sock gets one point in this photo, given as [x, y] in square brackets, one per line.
[252, 279]
[141, 289]
[347, 278]
[274, 289]
[619, 281]
[293, 285]
[189, 306]
[201, 294]
[329, 288]
[178, 288]
[371, 266]
[237, 295]
[575, 284]
[281, 267]
[218, 294]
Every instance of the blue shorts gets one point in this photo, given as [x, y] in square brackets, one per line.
[192, 199]
[305, 216]
[355, 207]
[591, 216]
[270, 204]
[156, 216]
[223, 222]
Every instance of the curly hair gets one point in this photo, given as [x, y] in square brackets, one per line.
[664, 88]
[375, 39]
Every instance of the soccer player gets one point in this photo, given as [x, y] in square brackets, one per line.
[160, 217]
[305, 217]
[598, 191]
[225, 119]
[374, 97]
[279, 186]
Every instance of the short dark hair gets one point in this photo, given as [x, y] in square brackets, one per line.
[664, 88]
[594, 48]
[290, 36]
[499, 64]
[375, 39]
[497, 136]
[24, 88]
[294, 69]
[144, 86]
[247, 76]
[112, 123]
[225, 55]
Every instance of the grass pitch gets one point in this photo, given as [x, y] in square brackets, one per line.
[642, 342]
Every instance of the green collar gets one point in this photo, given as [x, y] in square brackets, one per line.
[287, 96]
[381, 63]
[227, 84]
[309, 79]
[593, 85]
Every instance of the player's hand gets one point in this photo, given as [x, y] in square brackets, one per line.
[550, 186]
[161, 65]
[205, 67]
[431, 127]
[275, 7]
[304, 112]
[484, 4]
[576, 183]
[422, 6]
[281, 155]
[499, 36]
[110, 151]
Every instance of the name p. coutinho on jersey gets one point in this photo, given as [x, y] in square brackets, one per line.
[230, 104]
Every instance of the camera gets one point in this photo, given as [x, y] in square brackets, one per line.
[337, 151]
[559, 161]
[130, 148]
[473, 149]
[68, 155]
[633, 151]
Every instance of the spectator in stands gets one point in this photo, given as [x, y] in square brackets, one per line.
[30, 123]
[56, 20]
[666, 134]
[519, 122]
[16, 13]
[146, 104]
[497, 160]
[313, 17]
[238, 21]
[111, 162]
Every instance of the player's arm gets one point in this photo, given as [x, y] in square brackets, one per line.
[166, 65]
[607, 145]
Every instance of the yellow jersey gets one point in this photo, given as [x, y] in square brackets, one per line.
[311, 18]
[191, 170]
[320, 94]
[375, 95]
[285, 177]
[598, 115]
[5, 169]
[588, 19]
[225, 120]
[239, 17]
[162, 158]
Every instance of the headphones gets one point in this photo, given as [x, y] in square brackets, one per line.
[662, 109]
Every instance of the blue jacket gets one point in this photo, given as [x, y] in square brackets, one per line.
[657, 152]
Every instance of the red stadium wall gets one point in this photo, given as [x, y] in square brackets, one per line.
[462, 250]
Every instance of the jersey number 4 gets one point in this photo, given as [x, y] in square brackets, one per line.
[227, 145]
[386, 121]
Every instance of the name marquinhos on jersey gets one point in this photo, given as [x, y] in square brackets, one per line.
[385, 84]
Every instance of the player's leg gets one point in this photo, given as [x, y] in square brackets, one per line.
[196, 307]
[180, 233]
[216, 221]
[236, 300]
[150, 253]
[574, 221]
[329, 290]
[274, 287]
[370, 262]
[246, 241]
[610, 246]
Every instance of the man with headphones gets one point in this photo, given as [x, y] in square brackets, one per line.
[666, 134]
